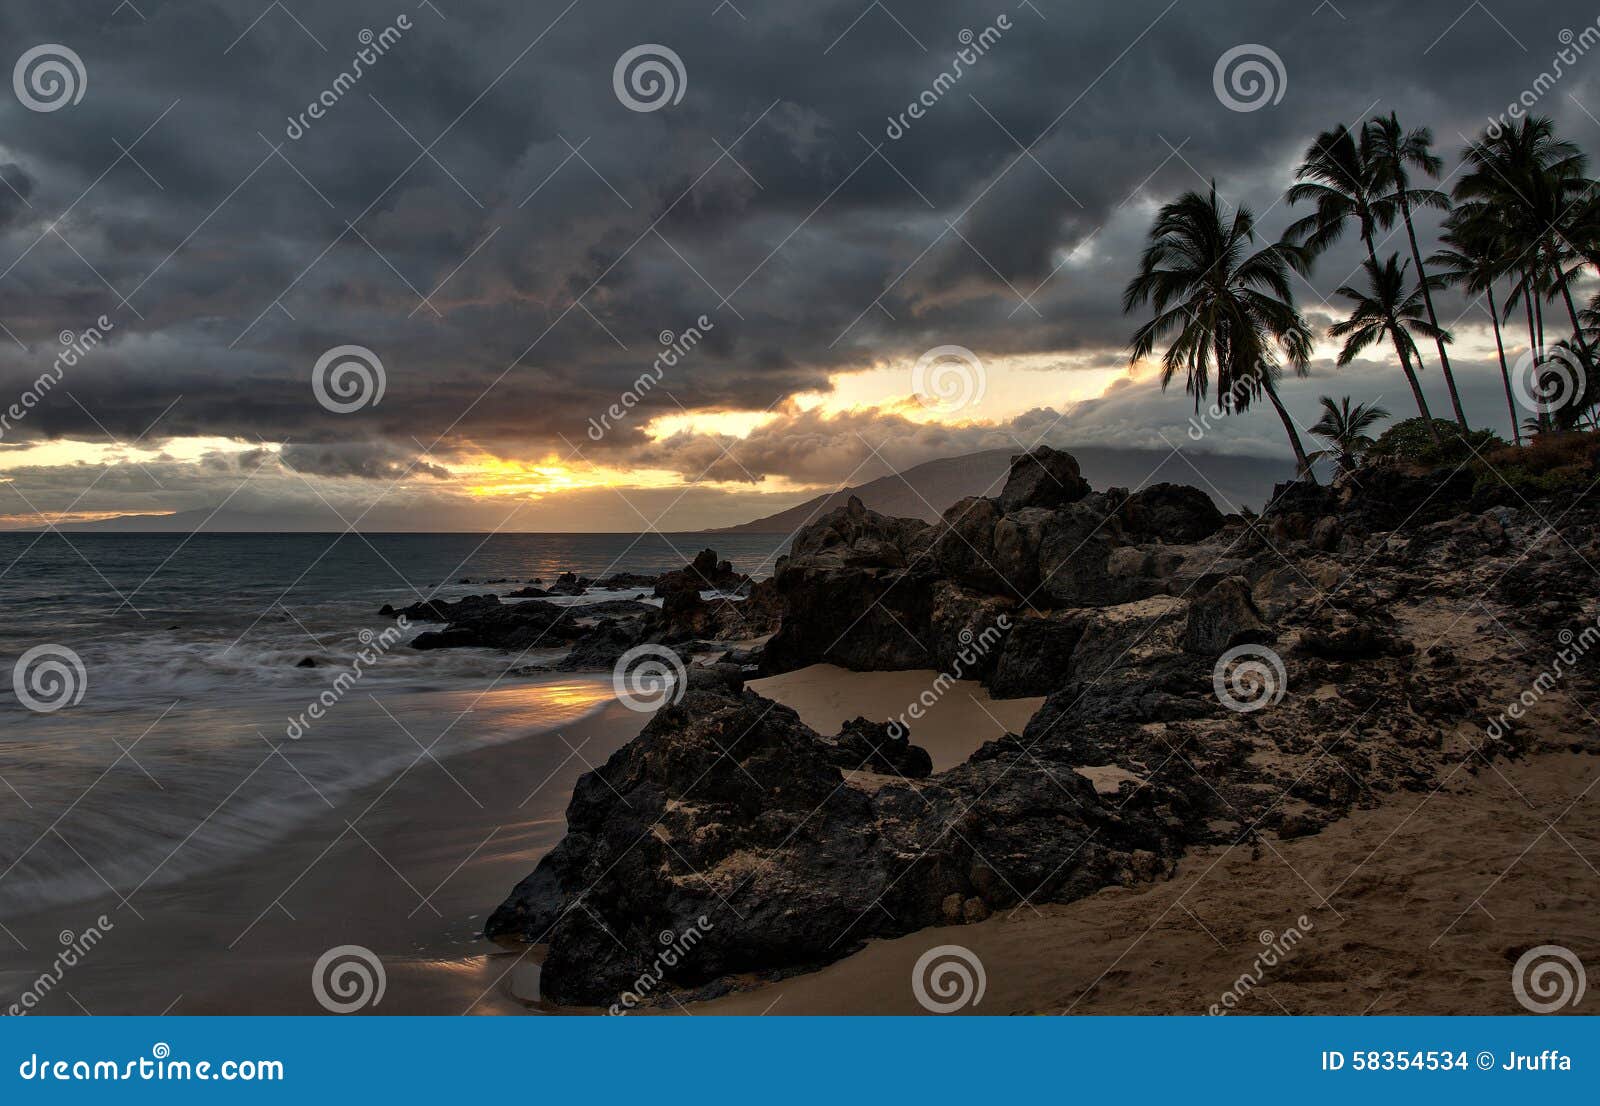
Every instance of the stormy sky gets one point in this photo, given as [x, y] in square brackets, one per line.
[511, 216]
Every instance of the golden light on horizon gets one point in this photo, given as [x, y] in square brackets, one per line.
[52, 518]
[733, 424]
[487, 476]
[74, 451]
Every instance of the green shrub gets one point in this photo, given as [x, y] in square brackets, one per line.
[1409, 441]
[1549, 465]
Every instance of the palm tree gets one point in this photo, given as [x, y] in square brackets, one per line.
[1537, 184]
[1475, 257]
[1345, 430]
[1338, 176]
[1225, 307]
[1393, 152]
[1563, 376]
[1387, 308]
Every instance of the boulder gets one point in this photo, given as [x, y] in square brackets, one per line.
[1170, 513]
[1074, 550]
[1126, 636]
[856, 590]
[1224, 617]
[1037, 656]
[966, 630]
[964, 547]
[876, 747]
[1042, 477]
[1017, 538]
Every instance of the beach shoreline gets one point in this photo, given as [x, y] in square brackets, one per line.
[407, 867]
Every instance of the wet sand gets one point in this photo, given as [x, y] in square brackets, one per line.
[408, 868]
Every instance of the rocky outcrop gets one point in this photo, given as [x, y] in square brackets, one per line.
[864, 583]
[598, 632]
[786, 848]
[705, 573]
[727, 807]
[508, 626]
[1224, 617]
[870, 592]
[1042, 477]
[1173, 513]
[439, 610]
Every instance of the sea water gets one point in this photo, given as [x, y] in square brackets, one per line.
[178, 720]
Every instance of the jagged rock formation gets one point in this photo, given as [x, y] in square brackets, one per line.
[796, 846]
[597, 633]
[882, 593]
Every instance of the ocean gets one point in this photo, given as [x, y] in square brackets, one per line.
[170, 662]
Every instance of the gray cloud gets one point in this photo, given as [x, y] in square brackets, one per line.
[514, 279]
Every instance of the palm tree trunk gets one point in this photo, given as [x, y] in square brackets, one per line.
[1505, 372]
[1405, 362]
[1416, 393]
[1538, 315]
[1300, 457]
[1533, 334]
[1527, 307]
[1577, 331]
[1433, 319]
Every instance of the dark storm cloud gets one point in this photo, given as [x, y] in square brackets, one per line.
[515, 278]
[369, 460]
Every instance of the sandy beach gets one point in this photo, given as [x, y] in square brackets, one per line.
[826, 696]
[407, 868]
[1419, 906]
[1416, 905]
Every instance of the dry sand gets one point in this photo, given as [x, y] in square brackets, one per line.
[1418, 906]
[962, 719]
